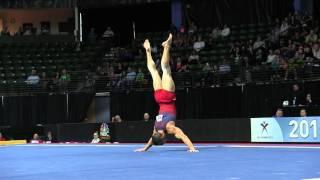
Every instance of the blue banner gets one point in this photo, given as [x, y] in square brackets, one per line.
[285, 129]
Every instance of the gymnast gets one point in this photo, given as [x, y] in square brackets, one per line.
[164, 94]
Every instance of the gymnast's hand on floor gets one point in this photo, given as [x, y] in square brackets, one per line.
[193, 150]
[140, 150]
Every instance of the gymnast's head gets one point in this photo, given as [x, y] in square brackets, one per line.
[158, 138]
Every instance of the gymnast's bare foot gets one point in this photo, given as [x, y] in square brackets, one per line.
[168, 42]
[147, 45]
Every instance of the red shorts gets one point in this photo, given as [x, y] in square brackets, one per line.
[166, 100]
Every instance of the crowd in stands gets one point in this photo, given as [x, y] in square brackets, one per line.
[290, 47]
[285, 48]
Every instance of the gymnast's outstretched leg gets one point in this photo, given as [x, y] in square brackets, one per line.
[167, 81]
[157, 84]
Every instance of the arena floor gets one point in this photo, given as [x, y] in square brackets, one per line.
[214, 161]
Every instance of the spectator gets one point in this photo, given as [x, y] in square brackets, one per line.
[108, 33]
[193, 58]
[215, 33]
[184, 68]
[311, 37]
[49, 138]
[140, 77]
[272, 57]
[192, 28]
[296, 95]
[65, 77]
[316, 51]
[28, 31]
[146, 117]
[258, 43]
[308, 100]
[224, 67]
[33, 78]
[279, 113]
[303, 113]
[96, 138]
[104, 133]
[199, 44]
[35, 139]
[116, 119]
[1, 137]
[131, 75]
[225, 31]
[284, 28]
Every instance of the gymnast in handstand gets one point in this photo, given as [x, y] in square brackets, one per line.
[164, 94]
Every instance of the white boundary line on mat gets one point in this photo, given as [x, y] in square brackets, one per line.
[274, 147]
[171, 146]
[105, 145]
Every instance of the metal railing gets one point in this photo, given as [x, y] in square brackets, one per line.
[87, 82]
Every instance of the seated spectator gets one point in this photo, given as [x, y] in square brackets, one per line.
[146, 117]
[65, 77]
[224, 67]
[27, 31]
[130, 76]
[296, 96]
[49, 138]
[192, 28]
[284, 28]
[116, 119]
[140, 77]
[215, 33]
[303, 113]
[316, 51]
[207, 67]
[308, 100]
[199, 44]
[45, 29]
[35, 139]
[96, 138]
[279, 113]
[184, 68]
[272, 57]
[258, 43]
[225, 32]
[178, 64]
[311, 37]
[108, 33]
[1, 137]
[33, 78]
[104, 133]
[193, 58]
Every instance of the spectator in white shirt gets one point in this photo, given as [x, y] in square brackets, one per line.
[33, 78]
[272, 57]
[224, 67]
[316, 51]
[225, 31]
[96, 138]
[108, 33]
[199, 44]
[284, 27]
[258, 43]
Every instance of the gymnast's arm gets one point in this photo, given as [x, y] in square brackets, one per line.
[147, 146]
[179, 134]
